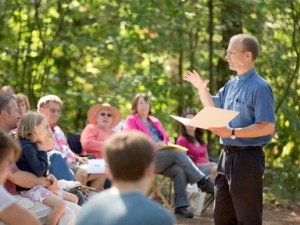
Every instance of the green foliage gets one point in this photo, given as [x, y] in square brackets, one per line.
[282, 182]
[107, 51]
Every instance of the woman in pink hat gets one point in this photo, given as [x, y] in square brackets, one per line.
[102, 118]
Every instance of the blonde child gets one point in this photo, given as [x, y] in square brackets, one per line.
[36, 138]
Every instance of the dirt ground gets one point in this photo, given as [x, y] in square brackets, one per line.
[278, 216]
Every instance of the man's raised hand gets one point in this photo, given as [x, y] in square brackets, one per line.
[194, 78]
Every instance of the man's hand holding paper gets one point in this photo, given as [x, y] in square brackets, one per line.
[223, 132]
[210, 118]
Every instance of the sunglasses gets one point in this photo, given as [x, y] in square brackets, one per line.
[106, 114]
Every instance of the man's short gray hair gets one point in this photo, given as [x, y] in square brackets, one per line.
[48, 98]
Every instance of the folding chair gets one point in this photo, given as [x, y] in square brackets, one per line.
[158, 183]
[75, 145]
[211, 197]
[208, 201]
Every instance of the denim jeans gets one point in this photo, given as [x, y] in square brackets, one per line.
[177, 165]
[59, 167]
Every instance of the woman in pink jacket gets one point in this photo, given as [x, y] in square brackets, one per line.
[169, 162]
[193, 139]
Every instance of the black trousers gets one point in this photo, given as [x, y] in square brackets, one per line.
[238, 191]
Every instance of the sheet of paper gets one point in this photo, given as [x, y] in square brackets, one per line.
[209, 117]
[94, 166]
[182, 120]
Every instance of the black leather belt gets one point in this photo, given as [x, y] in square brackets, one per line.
[233, 149]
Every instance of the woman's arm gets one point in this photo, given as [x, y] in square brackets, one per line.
[130, 124]
[16, 215]
[89, 140]
[181, 141]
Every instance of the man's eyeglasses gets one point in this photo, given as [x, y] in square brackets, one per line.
[52, 110]
[230, 53]
[106, 114]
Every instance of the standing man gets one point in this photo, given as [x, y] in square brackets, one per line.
[238, 185]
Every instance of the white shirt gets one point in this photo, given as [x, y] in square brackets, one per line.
[6, 199]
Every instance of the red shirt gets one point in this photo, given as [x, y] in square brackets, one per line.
[10, 186]
[92, 139]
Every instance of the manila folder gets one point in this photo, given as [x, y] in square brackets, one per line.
[209, 117]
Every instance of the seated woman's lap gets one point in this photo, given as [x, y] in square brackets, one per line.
[59, 167]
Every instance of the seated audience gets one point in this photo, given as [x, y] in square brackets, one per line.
[23, 104]
[36, 138]
[130, 158]
[7, 90]
[169, 162]
[50, 107]
[193, 139]
[9, 152]
[9, 116]
[102, 118]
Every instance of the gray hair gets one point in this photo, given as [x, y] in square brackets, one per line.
[249, 42]
[49, 98]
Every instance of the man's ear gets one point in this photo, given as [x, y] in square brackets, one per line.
[4, 113]
[149, 172]
[248, 56]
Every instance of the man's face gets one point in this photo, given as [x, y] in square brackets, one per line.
[51, 111]
[13, 115]
[236, 56]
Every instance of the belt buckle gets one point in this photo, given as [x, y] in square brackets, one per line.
[229, 149]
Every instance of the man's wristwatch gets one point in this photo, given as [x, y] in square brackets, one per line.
[233, 134]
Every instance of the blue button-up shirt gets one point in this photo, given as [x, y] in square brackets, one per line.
[250, 95]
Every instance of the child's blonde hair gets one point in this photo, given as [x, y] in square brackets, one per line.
[28, 122]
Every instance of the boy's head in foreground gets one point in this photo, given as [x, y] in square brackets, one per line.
[130, 156]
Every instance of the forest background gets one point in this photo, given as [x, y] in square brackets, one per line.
[108, 50]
